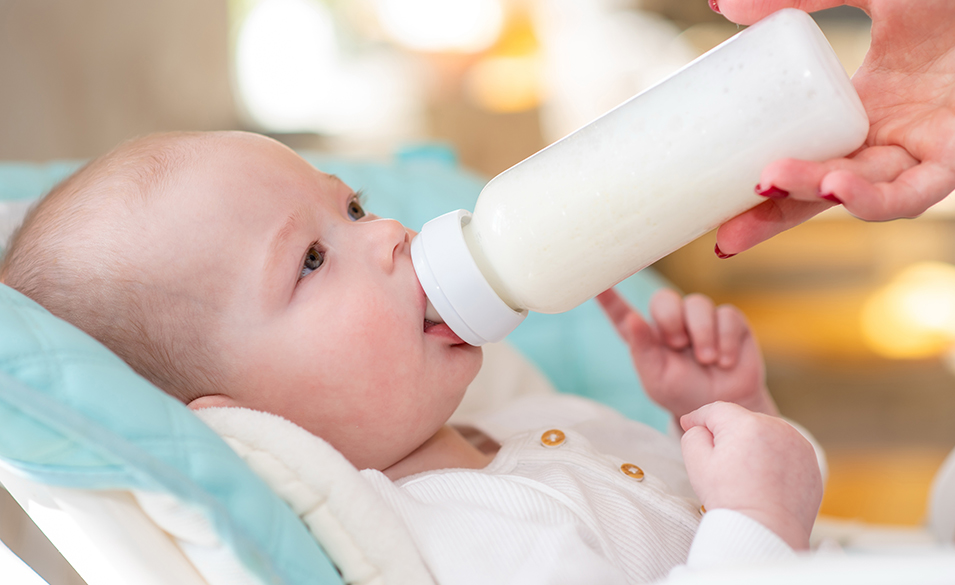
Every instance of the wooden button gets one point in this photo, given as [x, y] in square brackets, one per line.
[553, 438]
[631, 470]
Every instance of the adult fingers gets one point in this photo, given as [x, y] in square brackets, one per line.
[701, 326]
[878, 183]
[807, 180]
[910, 193]
[763, 222]
[749, 11]
[666, 309]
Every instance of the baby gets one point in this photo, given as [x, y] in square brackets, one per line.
[229, 272]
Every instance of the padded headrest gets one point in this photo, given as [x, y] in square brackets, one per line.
[73, 414]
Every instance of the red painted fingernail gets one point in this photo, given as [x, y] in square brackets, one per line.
[772, 192]
[715, 6]
[831, 197]
[721, 254]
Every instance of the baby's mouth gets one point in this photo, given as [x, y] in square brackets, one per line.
[434, 324]
[431, 316]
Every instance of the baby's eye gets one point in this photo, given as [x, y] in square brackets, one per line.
[355, 210]
[313, 261]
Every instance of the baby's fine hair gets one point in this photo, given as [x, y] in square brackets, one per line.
[68, 256]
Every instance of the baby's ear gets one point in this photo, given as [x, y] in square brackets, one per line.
[211, 401]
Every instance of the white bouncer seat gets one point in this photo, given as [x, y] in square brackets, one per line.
[104, 535]
[120, 537]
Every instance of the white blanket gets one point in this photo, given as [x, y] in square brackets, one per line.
[362, 536]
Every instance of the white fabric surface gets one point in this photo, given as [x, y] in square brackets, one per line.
[567, 514]
[11, 216]
[195, 536]
[942, 502]
[362, 536]
[505, 376]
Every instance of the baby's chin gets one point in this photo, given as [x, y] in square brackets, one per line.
[479, 361]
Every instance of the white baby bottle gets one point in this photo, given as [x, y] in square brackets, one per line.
[646, 178]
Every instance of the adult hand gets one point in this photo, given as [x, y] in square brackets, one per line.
[755, 464]
[907, 164]
[691, 352]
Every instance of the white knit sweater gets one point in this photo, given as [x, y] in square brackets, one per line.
[568, 513]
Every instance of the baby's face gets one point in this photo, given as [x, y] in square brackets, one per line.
[322, 316]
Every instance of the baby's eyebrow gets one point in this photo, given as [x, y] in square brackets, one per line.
[337, 179]
[280, 241]
[351, 192]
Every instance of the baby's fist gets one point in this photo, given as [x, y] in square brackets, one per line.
[756, 464]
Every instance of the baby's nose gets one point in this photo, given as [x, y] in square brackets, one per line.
[392, 239]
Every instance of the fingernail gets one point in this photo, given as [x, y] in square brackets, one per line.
[772, 192]
[831, 197]
[715, 6]
[721, 254]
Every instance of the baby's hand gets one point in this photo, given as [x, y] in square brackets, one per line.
[755, 464]
[692, 353]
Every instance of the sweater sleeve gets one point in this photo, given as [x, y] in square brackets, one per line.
[725, 538]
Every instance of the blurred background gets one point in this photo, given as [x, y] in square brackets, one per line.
[856, 320]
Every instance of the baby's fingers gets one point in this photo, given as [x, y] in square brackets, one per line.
[733, 329]
[615, 308]
[715, 416]
[620, 313]
[666, 309]
[644, 342]
[696, 418]
[702, 327]
[697, 447]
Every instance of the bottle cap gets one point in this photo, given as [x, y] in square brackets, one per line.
[454, 284]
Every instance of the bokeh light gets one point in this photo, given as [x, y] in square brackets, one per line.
[466, 26]
[285, 56]
[913, 316]
[293, 75]
[505, 84]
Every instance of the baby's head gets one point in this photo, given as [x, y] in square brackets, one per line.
[229, 272]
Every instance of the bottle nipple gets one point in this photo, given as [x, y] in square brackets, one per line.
[430, 314]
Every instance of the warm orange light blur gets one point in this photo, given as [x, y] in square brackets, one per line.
[505, 84]
[913, 316]
[508, 78]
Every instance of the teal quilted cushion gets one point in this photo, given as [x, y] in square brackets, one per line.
[73, 414]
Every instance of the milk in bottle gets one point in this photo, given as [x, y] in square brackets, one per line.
[651, 175]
